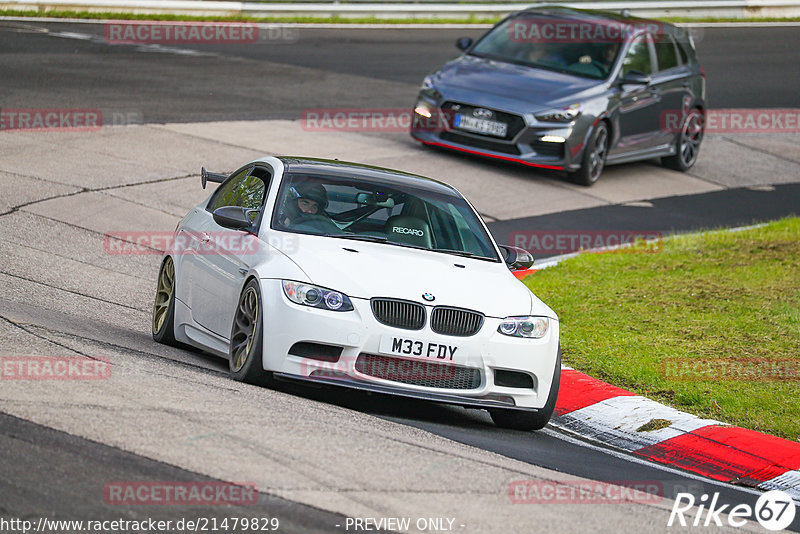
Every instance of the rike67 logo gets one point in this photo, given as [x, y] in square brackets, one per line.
[774, 510]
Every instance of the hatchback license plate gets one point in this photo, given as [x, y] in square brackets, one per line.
[400, 346]
[484, 126]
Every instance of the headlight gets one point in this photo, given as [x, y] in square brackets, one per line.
[429, 89]
[529, 327]
[567, 114]
[316, 297]
[423, 109]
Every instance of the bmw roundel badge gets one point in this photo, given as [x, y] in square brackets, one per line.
[429, 297]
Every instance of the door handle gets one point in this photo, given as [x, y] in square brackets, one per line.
[243, 271]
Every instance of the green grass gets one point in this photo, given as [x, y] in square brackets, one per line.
[61, 14]
[704, 302]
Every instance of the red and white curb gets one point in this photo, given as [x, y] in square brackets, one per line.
[617, 418]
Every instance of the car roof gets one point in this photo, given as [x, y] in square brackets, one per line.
[336, 168]
[591, 15]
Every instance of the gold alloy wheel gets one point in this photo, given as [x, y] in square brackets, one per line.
[244, 328]
[166, 287]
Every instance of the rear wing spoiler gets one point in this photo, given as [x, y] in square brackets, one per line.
[206, 177]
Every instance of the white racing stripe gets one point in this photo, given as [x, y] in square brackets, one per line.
[141, 47]
[616, 421]
[788, 482]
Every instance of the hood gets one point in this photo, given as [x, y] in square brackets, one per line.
[365, 270]
[541, 87]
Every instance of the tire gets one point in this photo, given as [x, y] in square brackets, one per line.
[687, 143]
[594, 157]
[247, 338]
[519, 420]
[163, 323]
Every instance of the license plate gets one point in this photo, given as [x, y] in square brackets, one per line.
[401, 346]
[484, 126]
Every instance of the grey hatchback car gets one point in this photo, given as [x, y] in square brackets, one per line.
[569, 90]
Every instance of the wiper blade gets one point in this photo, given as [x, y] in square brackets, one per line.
[383, 239]
[359, 237]
[464, 253]
[533, 65]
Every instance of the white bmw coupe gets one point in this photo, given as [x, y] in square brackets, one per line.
[350, 275]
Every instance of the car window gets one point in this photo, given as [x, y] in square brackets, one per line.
[246, 189]
[666, 55]
[223, 192]
[638, 57]
[682, 52]
[394, 214]
[517, 40]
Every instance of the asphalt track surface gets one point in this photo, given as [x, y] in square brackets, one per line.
[748, 67]
[548, 448]
[730, 208]
[30, 488]
[745, 68]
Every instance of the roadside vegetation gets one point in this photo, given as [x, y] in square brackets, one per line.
[707, 323]
[91, 15]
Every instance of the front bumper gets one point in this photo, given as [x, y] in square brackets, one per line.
[488, 401]
[555, 146]
[357, 333]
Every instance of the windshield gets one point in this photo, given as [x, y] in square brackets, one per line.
[355, 208]
[586, 49]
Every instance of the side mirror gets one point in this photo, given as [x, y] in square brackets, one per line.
[634, 77]
[206, 176]
[516, 258]
[462, 43]
[233, 217]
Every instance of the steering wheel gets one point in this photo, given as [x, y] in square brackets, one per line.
[585, 68]
[315, 223]
[602, 68]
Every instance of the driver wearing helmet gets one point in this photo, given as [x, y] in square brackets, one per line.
[304, 202]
